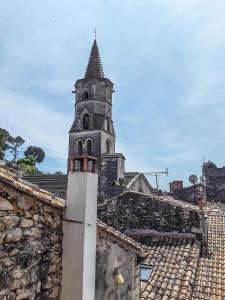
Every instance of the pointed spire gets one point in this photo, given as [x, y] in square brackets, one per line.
[94, 68]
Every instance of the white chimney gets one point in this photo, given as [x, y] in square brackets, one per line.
[79, 229]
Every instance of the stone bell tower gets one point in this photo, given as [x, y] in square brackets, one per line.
[92, 132]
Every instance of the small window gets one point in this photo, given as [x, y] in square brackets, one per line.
[86, 121]
[145, 272]
[108, 147]
[80, 148]
[86, 96]
[108, 124]
[89, 146]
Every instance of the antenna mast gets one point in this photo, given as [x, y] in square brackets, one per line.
[157, 175]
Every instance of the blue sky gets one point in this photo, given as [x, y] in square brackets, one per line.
[166, 59]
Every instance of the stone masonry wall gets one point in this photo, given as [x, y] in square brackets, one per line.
[30, 247]
[139, 211]
[190, 194]
[112, 260]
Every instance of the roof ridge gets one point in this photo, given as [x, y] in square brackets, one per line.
[30, 188]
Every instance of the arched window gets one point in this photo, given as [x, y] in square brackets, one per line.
[107, 124]
[86, 121]
[108, 146]
[80, 148]
[89, 147]
[86, 95]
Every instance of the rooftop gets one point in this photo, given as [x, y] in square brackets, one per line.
[178, 270]
[174, 264]
[29, 188]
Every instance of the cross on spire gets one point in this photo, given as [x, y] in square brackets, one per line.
[94, 67]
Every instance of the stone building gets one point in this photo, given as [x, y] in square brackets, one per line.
[31, 247]
[92, 134]
[137, 215]
[30, 240]
[148, 246]
[118, 271]
[215, 186]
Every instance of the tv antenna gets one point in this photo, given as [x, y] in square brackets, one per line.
[193, 179]
[157, 174]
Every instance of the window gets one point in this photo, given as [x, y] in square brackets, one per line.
[108, 146]
[107, 124]
[86, 95]
[89, 146]
[77, 165]
[145, 272]
[86, 121]
[80, 148]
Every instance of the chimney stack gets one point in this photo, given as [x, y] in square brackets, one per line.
[79, 229]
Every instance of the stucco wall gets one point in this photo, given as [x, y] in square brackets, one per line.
[111, 260]
[30, 247]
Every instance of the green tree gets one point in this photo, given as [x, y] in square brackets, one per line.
[4, 136]
[14, 144]
[37, 152]
[27, 164]
[58, 173]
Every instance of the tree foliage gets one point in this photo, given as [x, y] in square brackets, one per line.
[4, 135]
[27, 164]
[14, 144]
[36, 152]
[28, 160]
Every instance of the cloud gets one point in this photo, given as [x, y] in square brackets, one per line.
[39, 124]
[165, 57]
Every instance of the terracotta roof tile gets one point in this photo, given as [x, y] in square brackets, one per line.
[174, 265]
[210, 277]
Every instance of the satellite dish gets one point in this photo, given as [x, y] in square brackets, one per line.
[202, 178]
[193, 179]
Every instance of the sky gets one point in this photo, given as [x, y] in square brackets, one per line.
[166, 59]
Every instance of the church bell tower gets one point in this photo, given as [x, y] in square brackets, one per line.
[92, 132]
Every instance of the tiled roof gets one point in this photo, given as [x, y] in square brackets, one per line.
[174, 264]
[178, 270]
[48, 182]
[210, 279]
[121, 239]
[29, 188]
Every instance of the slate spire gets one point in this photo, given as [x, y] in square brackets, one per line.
[94, 68]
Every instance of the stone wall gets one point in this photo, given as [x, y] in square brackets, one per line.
[216, 189]
[110, 184]
[112, 260]
[139, 211]
[30, 246]
[190, 194]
